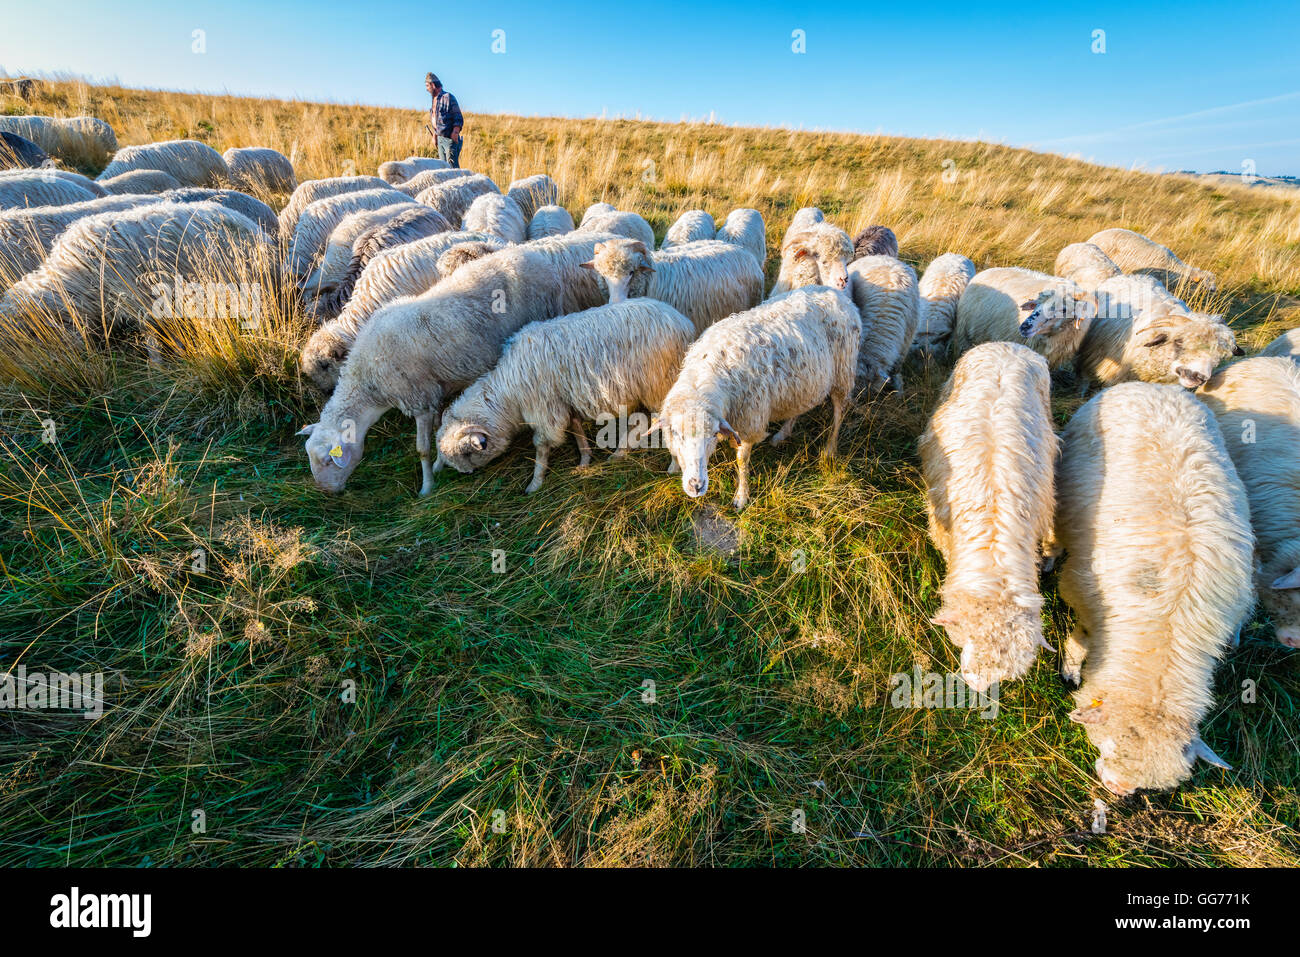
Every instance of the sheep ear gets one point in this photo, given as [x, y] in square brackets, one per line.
[590, 265]
[307, 429]
[724, 428]
[478, 439]
[1160, 338]
[1031, 305]
[341, 454]
[1238, 351]
[1290, 580]
[639, 247]
[944, 617]
[655, 424]
[1202, 750]
[1092, 714]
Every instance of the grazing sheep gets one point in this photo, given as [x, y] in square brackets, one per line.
[705, 280]
[875, 241]
[745, 228]
[333, 265]
[75, 139]
[774, 362]
[1086, 264]
[421, 181]
[108, 271]
[532, 193]
[1009, 304]
[52, 172]
[39, 188]
[816, 256]
[406, 226]
[989, 458]
[317, 189]
[22, 87]
[1286, 345]
[414, 353]
[498, 216]
[398, 172]
[1257, 404]
[1144, 299]
[319, 219]
[453, 197]
[885, 292]
[691, 226]
[1156, 528]
[260, 168]
[555, 375]
[140, 181]
[28, 234]
[550, 221]
[17, 152]
[803, 219]
[189, 162]
[630, 225]
[597, 209]
[1133, 252]
[1155, 346]
[242, 203]
[405, 271]
[942, 284]
[462, 253]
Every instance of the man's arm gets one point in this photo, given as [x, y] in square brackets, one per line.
[457, 120]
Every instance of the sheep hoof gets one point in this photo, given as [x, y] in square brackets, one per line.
[740, 503]
[533, 486]
[620, 454]
[1070, 675]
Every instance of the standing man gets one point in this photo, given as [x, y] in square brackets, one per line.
[445, 120]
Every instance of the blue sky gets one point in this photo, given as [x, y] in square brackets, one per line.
[1180, 85]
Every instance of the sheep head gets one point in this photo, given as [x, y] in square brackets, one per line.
[1141, 747]
[1281, 601]
[334, 451]
[1057, 308]
[691, 431]
[618, 261]
[322, 358]
[1182, 349]
[999, 637]
[467, 442]
[818, 256]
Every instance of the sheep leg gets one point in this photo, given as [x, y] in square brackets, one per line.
[424, 445]
[1075, 652]
[838, 401]
[539, 466]
[742, 478]
[580, 436]
[783, 433]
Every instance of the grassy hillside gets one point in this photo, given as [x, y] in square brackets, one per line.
[348, 681]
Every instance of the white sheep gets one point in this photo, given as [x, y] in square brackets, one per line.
[690, 226]
[705, 280]
[550, 221]
[312, 190]
[260, 169]
[27, 188]
[242, 203]
[189, 162]
[85, 182]
[555, 375]
[1286, 345]
[774, 362]
[140, 181]
[1009, 304]
[72, 139]
[398, 172]
[453, 197]
[1257, 404]
[745, 228]
[416, 352]
[630, 225]
[1156, 529]
[496, 215]
[597, 209]
[319, 219]
[422, 180]
[27, 235]
[818, 255]
[1133, 252]
[106, 273]
[803, 219]
[989, 460]
[531, 193]
[1086, 264]
[885, 291]
[333, 264]
[942, 284]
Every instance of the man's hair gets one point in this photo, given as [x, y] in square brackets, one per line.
[430, 78]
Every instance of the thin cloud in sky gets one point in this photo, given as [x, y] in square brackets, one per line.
[1164, 121]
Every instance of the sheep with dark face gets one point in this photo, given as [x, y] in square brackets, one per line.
[875, 241]
[816, 256]
[1009, 304]
[17, 152]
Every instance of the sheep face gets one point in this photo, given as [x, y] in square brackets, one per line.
[1182, 351]
[998, 638]
[333, 455]
[322, 358]
[818, 256]
[691, 434]
[467, 445]
[1140, 749]
[1281, 601]
[1057, 309]
[617, 262]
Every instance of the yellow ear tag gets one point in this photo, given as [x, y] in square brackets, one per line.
[337, 451]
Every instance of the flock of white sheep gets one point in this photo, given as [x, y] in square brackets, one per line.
[1174, 493]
